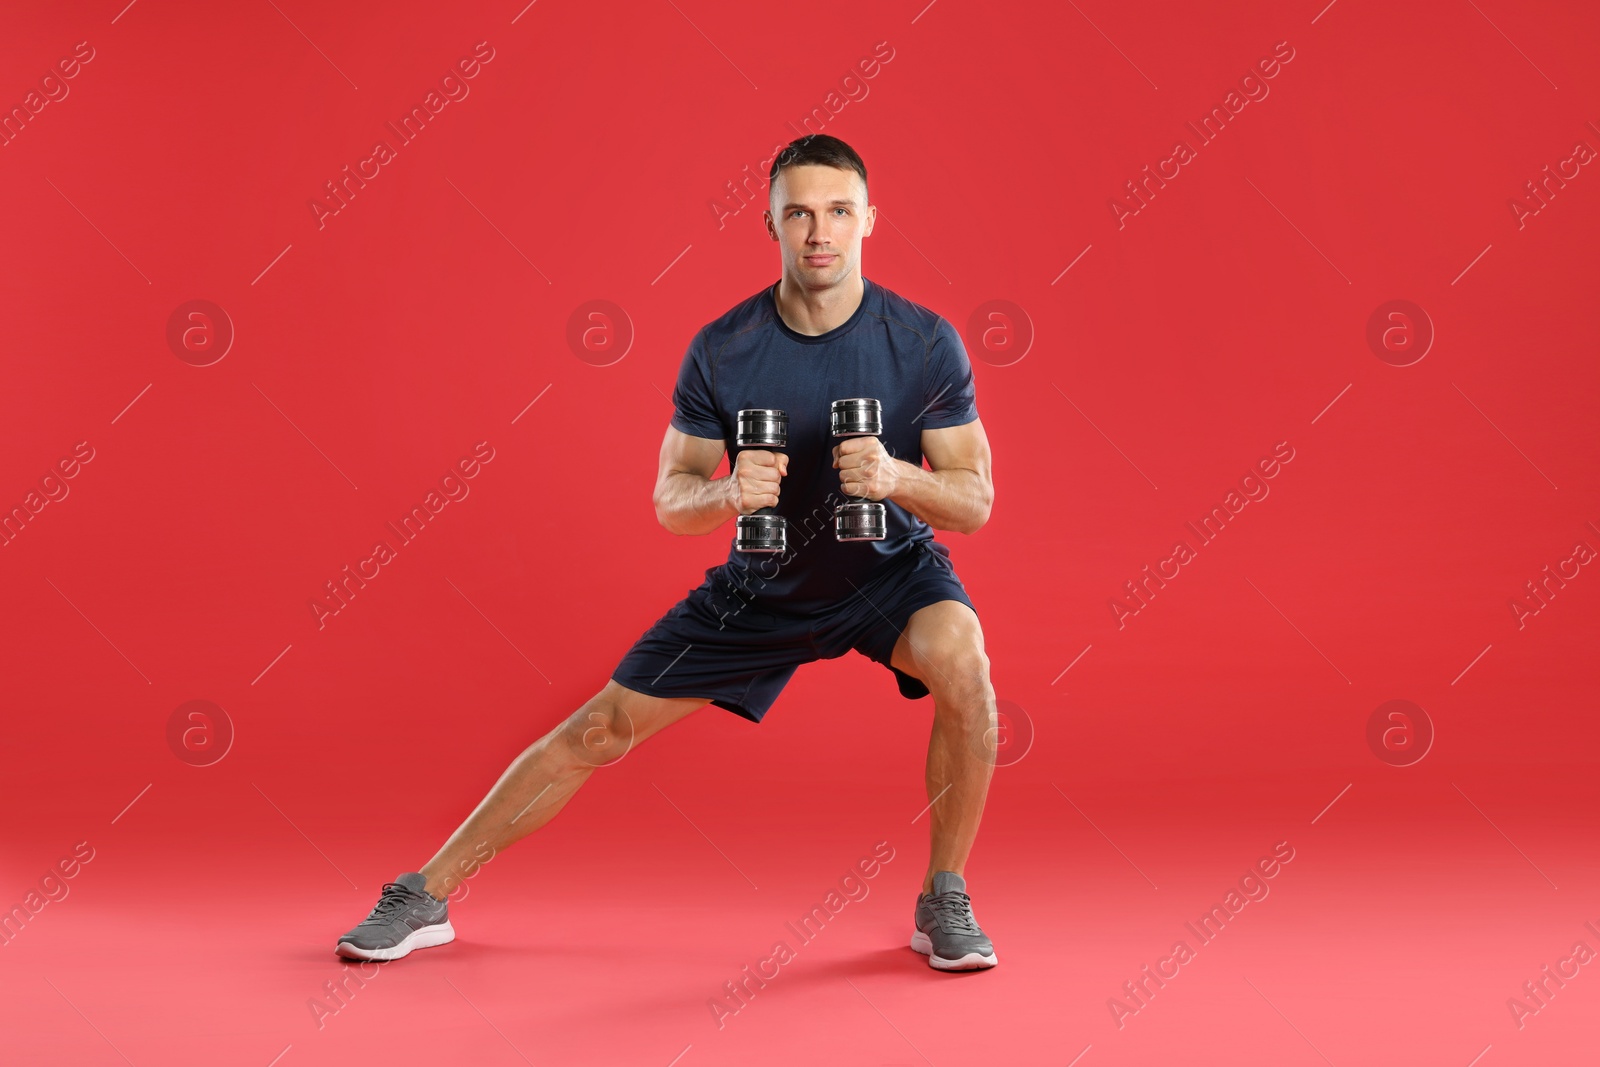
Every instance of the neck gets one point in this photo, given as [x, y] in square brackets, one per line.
[816, 311]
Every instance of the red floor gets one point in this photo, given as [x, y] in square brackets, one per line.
[1414, 907]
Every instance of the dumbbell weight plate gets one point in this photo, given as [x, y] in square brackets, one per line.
[762, 428]
[856, 417]
[761, 533]
[865, 520]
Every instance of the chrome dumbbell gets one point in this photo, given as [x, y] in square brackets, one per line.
[763, 530]
[858, 519]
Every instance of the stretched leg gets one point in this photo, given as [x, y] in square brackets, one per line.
[942, 646]
[544, 777]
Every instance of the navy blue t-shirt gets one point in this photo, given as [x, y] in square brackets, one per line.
[909, 358]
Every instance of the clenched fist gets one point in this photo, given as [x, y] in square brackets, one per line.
[866, 469]
[754, 482]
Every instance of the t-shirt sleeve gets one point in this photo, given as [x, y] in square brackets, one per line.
[950, 397]
[694, 405]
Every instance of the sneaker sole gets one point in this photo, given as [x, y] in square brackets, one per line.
[427, 937]
[972, 961]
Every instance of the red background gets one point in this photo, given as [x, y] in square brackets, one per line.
[1229, 314]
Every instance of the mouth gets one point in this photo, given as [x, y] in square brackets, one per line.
[821, 260]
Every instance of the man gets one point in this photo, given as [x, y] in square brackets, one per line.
[823, 332]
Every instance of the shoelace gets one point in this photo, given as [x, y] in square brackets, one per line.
[953, 912]
[395, 897]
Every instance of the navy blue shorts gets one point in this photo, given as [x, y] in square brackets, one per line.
[715, 646]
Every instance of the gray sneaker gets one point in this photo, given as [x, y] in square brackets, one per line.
[946, 931]
[406, 917]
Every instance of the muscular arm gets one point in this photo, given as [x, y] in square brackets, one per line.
[687, 499]
[957, 494]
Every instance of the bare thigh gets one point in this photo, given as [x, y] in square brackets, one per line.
[935, 636]
[614, 720]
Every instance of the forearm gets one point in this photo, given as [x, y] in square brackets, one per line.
[691, 504]
[953, 499]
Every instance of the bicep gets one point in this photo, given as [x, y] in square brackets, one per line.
[684, 453]
[964, 447]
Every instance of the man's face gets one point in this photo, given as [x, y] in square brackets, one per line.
[819, 216]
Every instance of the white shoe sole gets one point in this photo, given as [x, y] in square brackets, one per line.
[427, 937]
[972, 961]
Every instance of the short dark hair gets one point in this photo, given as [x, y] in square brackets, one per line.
[817, 149]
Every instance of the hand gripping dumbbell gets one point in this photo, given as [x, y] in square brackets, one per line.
[763, 530]
[859, 519]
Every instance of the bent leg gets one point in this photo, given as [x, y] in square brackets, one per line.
[541, 780]
[942, 646]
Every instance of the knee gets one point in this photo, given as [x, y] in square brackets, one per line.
[961, 670]
[598, 733]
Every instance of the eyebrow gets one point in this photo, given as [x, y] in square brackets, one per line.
[841, 203]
